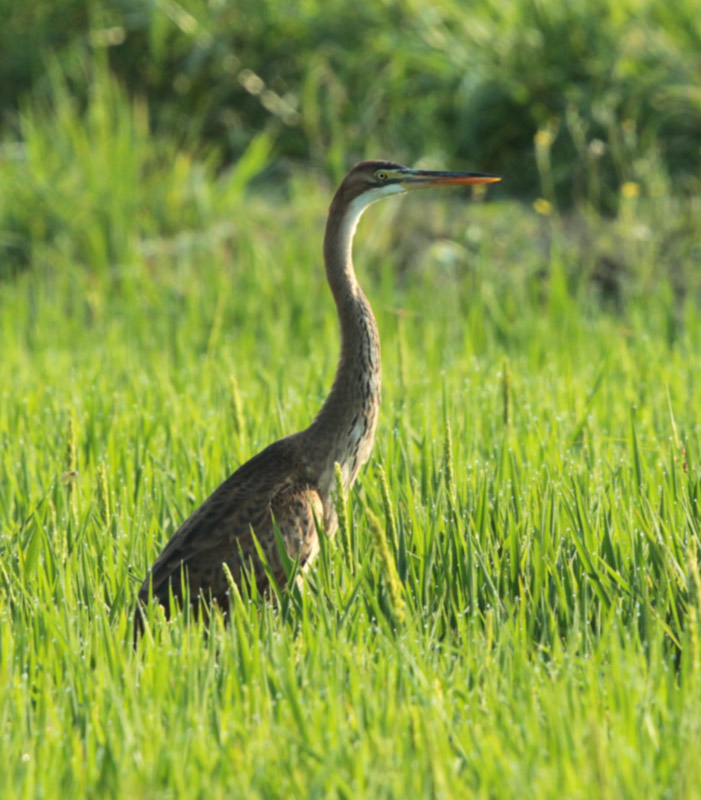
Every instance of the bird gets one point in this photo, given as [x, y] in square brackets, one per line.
[289, 486]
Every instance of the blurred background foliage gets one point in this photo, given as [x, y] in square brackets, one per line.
[471, 82]
[172, 93]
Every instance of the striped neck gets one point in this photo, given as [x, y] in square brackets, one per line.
[344, 429]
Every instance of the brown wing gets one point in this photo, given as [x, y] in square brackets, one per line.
[219, 532]
[296, 512]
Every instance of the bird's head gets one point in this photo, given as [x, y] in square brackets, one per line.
[372, 180]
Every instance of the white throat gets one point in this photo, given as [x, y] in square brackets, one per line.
[360, 203]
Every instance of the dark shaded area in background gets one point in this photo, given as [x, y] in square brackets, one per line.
[470, 84]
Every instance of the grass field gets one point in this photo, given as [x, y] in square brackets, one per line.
[513, 610]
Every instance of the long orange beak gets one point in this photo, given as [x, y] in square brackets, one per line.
[423, 178]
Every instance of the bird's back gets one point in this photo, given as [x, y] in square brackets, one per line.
[274, 485]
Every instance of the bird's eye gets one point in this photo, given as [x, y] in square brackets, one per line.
[381, 175]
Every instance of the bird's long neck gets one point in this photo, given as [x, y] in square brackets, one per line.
[344, 429]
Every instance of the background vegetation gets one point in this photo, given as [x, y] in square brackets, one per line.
[514, 606]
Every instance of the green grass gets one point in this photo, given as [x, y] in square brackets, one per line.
[539, 435]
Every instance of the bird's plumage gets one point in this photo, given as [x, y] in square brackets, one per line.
[290, 483]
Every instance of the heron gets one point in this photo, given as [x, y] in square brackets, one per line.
[280, 495]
